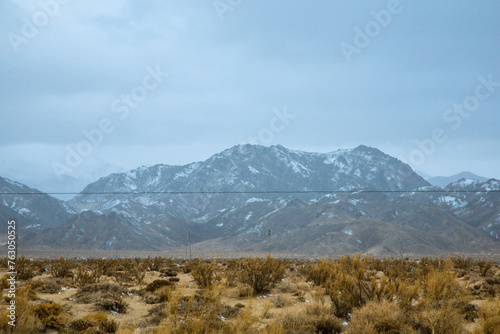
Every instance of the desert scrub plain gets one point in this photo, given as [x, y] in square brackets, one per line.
[353, 294]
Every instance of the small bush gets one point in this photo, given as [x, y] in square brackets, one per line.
[48, 286]
[94, 292]
[485, 267]
[205, 274]
[96, 323]
[49, 313]
[96, 317]
[62, 268]
[157, 313]
[304, 323]
[280, 301]
[116, 305]
[261, 273]
[441, 289]
[46, 310]
[80, 325]
[463, 263]
[84, 276]
[24, 268]
[443, 321]
[108, 326]
[163, 293]
[378, 317]
[318, 272]
[350, 286]
[158, 283]
[489, 318]
[4, 284]
[169, 272]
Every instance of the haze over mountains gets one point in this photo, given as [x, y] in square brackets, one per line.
[314, 203]
[444, 180]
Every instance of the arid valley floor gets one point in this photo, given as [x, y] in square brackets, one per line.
[351, 294]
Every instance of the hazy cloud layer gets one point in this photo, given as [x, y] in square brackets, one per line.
[383, 73]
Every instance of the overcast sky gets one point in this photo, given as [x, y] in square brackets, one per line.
[93, 87]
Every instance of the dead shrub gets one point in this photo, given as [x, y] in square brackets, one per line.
[108, 326]
[101, 323]
[155, 263]
[280, 301]
[157, 313]
[62, 268]
[81, 325]
[304, 323]
[157, 284]
[163, 293]
[489, 318]
[114, 305]
[49, 313]
[45, 310]
[205, 274]
[84, 276]
[169, 272]
[350, 286]
[485, 267]
[441, 289]
[287, 287]
[4, 283]
[318, 272]
[260, 273]
[104, 293]
[463, 263]
[406, 294]
[25, 269]
[48, 286]
[443, 321]
[378, 317]
[26, 319]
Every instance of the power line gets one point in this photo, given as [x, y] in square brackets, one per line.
[255, 192]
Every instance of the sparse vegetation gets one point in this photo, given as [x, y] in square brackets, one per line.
[352, 294]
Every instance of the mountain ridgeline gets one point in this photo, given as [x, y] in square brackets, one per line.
[313, 203]
[265, 171]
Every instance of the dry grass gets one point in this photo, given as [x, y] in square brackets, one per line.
[353, 294]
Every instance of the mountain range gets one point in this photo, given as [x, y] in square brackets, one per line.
[344, 201]
[444, 180]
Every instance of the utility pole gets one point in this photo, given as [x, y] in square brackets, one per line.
[401, 239]
[269, 242]
[188, 246]
[463, 243]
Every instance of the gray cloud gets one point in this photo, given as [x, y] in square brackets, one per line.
[227, 76]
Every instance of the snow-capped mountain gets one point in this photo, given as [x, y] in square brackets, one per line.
[313, 203]
[444, 180]
[244, 168]
[35, 209]
[332, 224]
[475, 202]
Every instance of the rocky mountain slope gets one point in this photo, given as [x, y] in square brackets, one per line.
[33, 209]
[475, 202]
[244, 168]
[313, 203]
